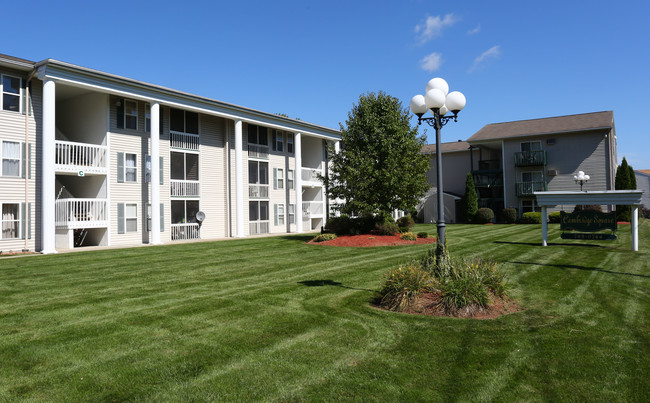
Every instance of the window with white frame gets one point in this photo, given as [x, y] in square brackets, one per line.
[130, 115]
[147, 118]
[258, 172]
[531, 146]
[278, 140]
[131, 217]
[292, 213]
[290, 180]
[183, 121]
[258, 135]
[184, 166]
[280, 179]
[184, 211]
[10, 93]
[130, 167]
[10, 158]
[280, 214]
[290, 143]
[258, 210]
[10, 221]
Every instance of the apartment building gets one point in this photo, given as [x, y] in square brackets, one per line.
[91, 158]
[510, 161]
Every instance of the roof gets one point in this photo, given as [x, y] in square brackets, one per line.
[643, 171]
[446, 147]
[553, 125]
[16, 63]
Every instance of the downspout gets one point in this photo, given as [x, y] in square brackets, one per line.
[27, 162]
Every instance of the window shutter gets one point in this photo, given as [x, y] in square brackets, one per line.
[120, 167]
[23, 96]
[275, 209]
[120, 114]
[23, 160]
[160, 128]
[162, 170]
[273, 138]
[275, 178]
[29, 161]
[23, 220]
[29, 221]
[147, 168]
[120, 218]
[162, 217]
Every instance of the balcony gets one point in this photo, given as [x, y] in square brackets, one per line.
[312, 209]
[80, 158]
[181, 232]
[258, 191]
[530, 158]
[258, 227]
[81, 213]
[183, 188]
[309, 176]
[257, 151]
[527, 188]
[184, 141]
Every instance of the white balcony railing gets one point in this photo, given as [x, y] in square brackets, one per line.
[309, 176]
[185, 231]
[81, 213]
[258, 191]
[257, 151]
[185, 141]
[80, 157]
[184, 188]
[258, 227]
[312, 209]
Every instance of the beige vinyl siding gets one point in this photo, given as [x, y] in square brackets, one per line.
[285, 161]
[212, 177]
[12, 128]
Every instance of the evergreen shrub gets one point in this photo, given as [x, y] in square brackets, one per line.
[484, 215]
[509, 215]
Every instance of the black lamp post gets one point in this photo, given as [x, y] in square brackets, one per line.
[439, 101]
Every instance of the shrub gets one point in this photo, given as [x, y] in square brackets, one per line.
[469, 201]
[509, 215]
[409, 236]
[406, 222]
[404, 230]
[484, 215]
[385, 225]
[324, 237]
[554, 217]
[423, 234]
[462, 292]
[403, 285]
[531, 218]
[341, 225]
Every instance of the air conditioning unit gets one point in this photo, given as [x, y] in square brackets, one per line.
[550, 142]
[551, 172]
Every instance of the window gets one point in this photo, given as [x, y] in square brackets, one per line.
[258, 211]
[279, 184]
[131, 217]
[280, 212]
[183, 121]
[10, 158]
[290, 143]
[258, 172]
[11, 93]
[292, 214]
[258, 135]
[184, 211]
[290, 181]
[130, 168]
[535, 176]
[147, 118]
[529, 205]
[531, 146]
[184, 166]
[278, 140]
[131, 115]
[10, 221]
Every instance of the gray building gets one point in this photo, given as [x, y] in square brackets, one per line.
[643, 183]
[509, 161]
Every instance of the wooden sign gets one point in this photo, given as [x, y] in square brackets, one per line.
[587, 221]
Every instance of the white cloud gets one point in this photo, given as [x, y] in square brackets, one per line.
[492, 53]
[431, 62]
[432, 27]
[475, 30]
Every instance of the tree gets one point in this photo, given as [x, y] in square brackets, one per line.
[379, 167]
[625, 179]
[469, 202]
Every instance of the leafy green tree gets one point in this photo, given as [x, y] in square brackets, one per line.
[379, 167]
[469, 202]
[625, 179]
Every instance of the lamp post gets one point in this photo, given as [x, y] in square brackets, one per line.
[439, 101]
[581, 178]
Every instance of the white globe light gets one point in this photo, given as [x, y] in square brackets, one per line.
[455, 101]
[575, 177]
[586, 177]
[434, 99]
[438, 83]
[443, 110]
[418, 106]
[581, 173]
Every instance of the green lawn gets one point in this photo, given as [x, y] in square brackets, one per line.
[276, 319]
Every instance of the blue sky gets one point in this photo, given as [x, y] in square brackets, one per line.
[513, 60]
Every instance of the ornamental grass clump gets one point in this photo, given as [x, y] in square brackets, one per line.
[324, 237]
[409, 236]
[403, 285]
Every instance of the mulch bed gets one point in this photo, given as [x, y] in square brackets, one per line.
[365, 241]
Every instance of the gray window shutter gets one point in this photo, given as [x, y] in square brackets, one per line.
[120, 218]
[162, 170]
[275, 209]
[29, 221]
[120, 114]
[120, 167]
[162, 217]
[23, 95]
[273, 138]
[275, 178]
[29, 161]
[23, 160]
[23, 220]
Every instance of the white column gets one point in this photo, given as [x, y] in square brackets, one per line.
[298, 170]
[239, 180]
[155, 174]
[544, 226]
[48, 176]
[635, 228]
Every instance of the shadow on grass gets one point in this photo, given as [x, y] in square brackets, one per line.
[322, 283]
[583, 245]
[301, 237]
[573, 266]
